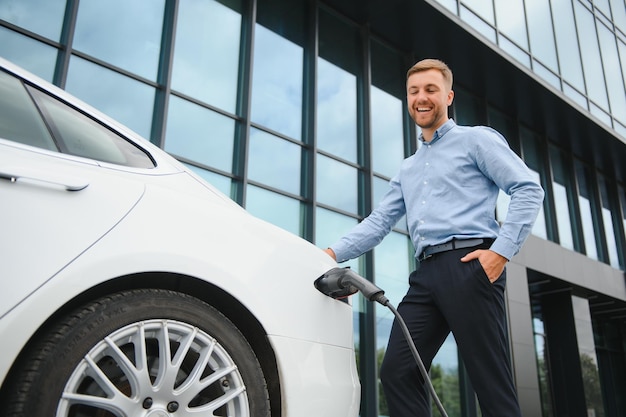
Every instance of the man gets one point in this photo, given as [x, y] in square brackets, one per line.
[448, 191]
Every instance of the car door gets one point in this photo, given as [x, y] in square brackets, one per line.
[53, 205]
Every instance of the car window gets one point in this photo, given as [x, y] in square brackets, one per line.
[19, 119]
[79, 135]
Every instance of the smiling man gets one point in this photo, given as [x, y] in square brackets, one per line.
[448, 191]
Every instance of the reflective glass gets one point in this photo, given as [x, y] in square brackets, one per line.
[43, 17]
[618, 9]
[607, 221]
[614, 77]
[393, 264]
[533, 158]
[222, 183]
[77, 134]
[450, 5]
[482, 8]
[387, 109]
[206, 30]
[28, 53]
[277, 209]
[264, 150]
[514, 50]
[20, 120]
[199, 134]
[387, 132]
[128, 101]
[511, 20]
[562, 193]
[586, 216]
[336, 111]
[540, 32]
[590, 51]
[277, 83]
[622, 197]
[124, 33]
[445, 370]
[543, 371]
[337, 184]
[567, 43]
[588, 358]
[603, 6]
[329, 227]
[338, 67]
[467, 108]
[474, 21]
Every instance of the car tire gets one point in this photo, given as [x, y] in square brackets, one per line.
[110, 358]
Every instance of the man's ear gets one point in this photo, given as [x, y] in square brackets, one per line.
[450, 97]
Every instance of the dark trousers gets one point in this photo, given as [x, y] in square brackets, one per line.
[446, 295]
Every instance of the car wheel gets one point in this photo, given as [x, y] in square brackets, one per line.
[140, 353]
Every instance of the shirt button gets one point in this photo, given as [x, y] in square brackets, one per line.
[423, 202]
[427, 164]
[421, 221]
[425, 182]
[422, 238]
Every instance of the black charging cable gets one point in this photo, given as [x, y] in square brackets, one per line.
[340, 283]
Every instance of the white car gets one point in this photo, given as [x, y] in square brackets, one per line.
[130, 287]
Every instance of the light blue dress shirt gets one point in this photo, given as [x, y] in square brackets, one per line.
[448, 189]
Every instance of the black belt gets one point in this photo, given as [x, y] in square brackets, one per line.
[453, 244]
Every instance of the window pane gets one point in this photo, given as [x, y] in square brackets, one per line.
[124, 33]
[124, 99]
[540, 32]
[336, 184]
[619, 14]
[482, 8]
[567, 43]
[512, 20]
[467, 108]
[533, 158]
[28, 53]
[563, 192]
[607, 221]
[277, 83]
[387, 132]
[336, 111]
[337, 69]
[614, 77]
[330, 226]
[79, 135]
[205, 30]
[586, 216]
[388, 111]
[262, 165]
[590, 51]
[222, 183]
[199, 134]
[477, 23]
[277, 209]
[20, 120]
[44, 17]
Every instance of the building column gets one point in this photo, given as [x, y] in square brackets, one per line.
[566, 380]
[521, 339]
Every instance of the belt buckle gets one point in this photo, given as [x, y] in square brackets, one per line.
[423, 256]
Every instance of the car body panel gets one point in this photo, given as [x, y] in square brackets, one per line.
[70, 225]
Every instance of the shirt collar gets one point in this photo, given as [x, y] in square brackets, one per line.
[445, 128]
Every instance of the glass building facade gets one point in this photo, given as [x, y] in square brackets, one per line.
[297, 110]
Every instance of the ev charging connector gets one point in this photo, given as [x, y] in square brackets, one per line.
[339, 283]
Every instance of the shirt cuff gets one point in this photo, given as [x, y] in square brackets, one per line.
[504, 247]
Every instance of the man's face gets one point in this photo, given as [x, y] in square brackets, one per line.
[428, 99]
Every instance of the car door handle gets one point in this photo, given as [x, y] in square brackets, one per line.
[67, 183]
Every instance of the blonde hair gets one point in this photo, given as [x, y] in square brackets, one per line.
[428, 64]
